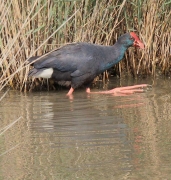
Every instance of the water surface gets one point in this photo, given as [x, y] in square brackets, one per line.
[87, 137]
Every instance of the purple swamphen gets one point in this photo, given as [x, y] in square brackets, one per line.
[81, 62]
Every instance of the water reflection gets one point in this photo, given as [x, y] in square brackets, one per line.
[88, 128]
[88, 137]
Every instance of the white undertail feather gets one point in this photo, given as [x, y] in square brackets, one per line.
[45, 73]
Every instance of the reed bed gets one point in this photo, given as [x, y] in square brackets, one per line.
[35, 27]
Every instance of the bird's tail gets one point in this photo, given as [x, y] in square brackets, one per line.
[32, 72]
[32, 59]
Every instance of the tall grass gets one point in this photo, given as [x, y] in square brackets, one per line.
[35, 27]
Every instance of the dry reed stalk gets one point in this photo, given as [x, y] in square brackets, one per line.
[2, 97]
[14, 147]
[4, 129]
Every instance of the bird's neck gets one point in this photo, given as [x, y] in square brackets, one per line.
[118, 52]
[115, 54]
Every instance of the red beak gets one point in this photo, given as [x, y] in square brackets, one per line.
[137, 42]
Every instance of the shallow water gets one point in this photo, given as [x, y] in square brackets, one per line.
[87, 137]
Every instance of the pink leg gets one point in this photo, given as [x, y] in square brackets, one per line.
[70, 91]
[122, 91]
[88, 90]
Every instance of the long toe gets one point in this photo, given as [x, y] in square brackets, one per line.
[134, 87]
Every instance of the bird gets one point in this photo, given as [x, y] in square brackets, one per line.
[79, 63]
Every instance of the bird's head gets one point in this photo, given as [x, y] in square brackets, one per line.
[131, 39]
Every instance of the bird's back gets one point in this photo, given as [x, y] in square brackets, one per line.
[72, 56]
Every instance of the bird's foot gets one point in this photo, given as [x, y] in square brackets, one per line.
[128, 90]
[123, 91]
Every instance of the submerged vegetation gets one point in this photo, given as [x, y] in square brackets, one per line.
[36, 27]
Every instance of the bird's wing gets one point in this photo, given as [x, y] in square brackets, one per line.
[66, 58]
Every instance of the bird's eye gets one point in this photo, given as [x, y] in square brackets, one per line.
[131, 38]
